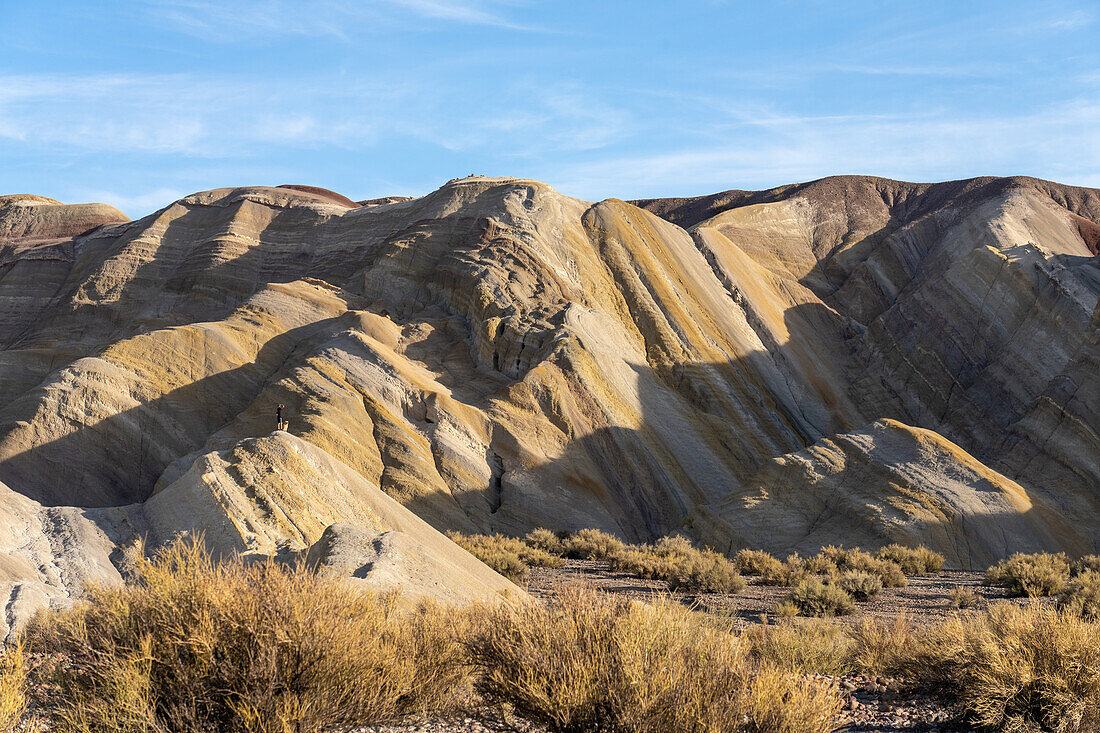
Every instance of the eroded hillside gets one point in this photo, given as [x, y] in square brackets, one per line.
[852, 361]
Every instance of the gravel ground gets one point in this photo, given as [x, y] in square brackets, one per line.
[925, 600]
[480, 721]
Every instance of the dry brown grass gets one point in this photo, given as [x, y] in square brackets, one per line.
[1014, 669]
[888, 571]
[682, 565]
[600, 663]
[859, 585]
[13, 677]
[591, 544]
[199, 646]
[1011, 668]
[545, 540]
[820, 564]
[912, 560]
[1040, 574]
[815, 598]
[757, 562]
[1082, 596]
[1087, 564]
[790, 572]
[802, 646]
[879, 646]
[508, 556]
[962, 597]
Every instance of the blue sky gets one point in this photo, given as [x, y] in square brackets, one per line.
[139, 102]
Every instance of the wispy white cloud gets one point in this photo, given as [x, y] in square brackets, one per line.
[183, 114]
[1075, 20]
[461, 11]
[180, 113]
[1061, 142]
[232, 20]
[133, 206]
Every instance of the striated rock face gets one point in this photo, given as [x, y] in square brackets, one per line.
[887, 483]
[495, 356]
[30, 218]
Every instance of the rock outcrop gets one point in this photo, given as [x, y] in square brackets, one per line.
[419, 566]
[495, 356]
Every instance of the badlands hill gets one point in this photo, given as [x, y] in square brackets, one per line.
[853, 360]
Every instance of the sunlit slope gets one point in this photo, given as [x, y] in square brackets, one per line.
[496, 356]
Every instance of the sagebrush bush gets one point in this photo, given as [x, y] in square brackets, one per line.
[1014, 669]
[641, 563]
[785, 609]
[963, 597]
[674, 546]
[820, 564]
[545, 540]
[888, 571]
[815, 598]
[1082, 596]
[790, 572]
[757, 563]
[591, 544]
[680, 564]
[912, 560]
[508, 556]
[880, 645]
[1087, 564]
[808, 646]
[1039, 574]
[595, 662]
[197, 646]
[859, 585]
[704, 571]
[13, 679]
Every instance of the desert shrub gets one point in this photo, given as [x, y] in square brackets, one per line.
[805, 646]
[785, 609]
[888, 571]
[815, 598]
[912, 560]
[860, 585]
[506, 555]
[1041, 574]
[757, 562]
[545, 540]
[820, 564]
[790, 572]
[962, 597]
[1087, 564]
[591, 544]
[197, 646]
[13, 679]
[704, 571]
[641, 563]
[1014, 668]
[679, 563]
[879, 646]
[589, 663]
[673, 546]
[1082, 596]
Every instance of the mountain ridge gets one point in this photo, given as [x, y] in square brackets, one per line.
[496, 356]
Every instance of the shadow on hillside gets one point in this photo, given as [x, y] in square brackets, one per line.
[703, 431]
